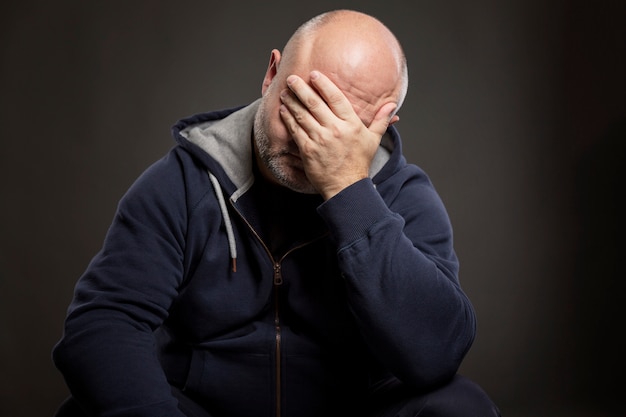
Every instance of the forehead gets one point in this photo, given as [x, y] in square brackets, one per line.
[362, 64]
[366, 83]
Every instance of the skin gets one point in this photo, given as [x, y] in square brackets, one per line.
[327, 101]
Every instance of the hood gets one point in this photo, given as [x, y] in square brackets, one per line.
[222, 140]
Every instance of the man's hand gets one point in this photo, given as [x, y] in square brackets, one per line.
[336, 147]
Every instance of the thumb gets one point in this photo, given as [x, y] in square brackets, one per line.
[383, 118]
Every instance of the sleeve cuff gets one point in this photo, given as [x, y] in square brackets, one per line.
[350, 214]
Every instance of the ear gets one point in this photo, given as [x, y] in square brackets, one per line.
[272, 69]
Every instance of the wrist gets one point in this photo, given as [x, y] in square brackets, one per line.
[331, 190]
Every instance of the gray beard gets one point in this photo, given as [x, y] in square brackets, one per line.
[272, 160]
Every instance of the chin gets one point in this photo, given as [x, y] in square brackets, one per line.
[297, 182]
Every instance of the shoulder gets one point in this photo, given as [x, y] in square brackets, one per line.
[175, 181]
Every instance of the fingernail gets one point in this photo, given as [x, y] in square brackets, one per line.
[315, 75]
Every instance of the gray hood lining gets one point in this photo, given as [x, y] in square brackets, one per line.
[229, 142]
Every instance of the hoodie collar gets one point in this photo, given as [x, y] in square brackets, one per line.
[226, 139]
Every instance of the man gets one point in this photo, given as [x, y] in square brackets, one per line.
[282, 260]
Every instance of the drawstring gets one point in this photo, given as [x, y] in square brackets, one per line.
[232, 244]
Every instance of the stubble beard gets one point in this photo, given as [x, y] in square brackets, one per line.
[274, 160]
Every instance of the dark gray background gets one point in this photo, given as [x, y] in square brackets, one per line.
[510, 109]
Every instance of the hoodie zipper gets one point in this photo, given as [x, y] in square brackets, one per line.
[277, 283]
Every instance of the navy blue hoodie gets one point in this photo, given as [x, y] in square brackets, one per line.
[197, 288]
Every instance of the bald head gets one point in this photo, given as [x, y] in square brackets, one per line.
[358, 52]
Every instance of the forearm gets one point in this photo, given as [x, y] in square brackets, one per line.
[413, 317]
[111, 367]
[402, 290]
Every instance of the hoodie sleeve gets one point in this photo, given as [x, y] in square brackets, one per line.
[107, 353]
[401, 271]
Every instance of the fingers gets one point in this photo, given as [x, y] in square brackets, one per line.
[383, 118]
[332, 95]
[299, 118]
[323, 99]
[321, 104]
[294, 125]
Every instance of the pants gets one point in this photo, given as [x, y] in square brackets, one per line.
[459, 398]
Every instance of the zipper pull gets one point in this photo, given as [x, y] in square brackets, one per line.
[278, 277]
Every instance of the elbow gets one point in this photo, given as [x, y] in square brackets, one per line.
[441, 357]
[431, 371]
[60, 356]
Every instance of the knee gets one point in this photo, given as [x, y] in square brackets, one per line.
[461, 397]
[70, 408]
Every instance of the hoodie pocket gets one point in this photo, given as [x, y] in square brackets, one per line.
[233, 383]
